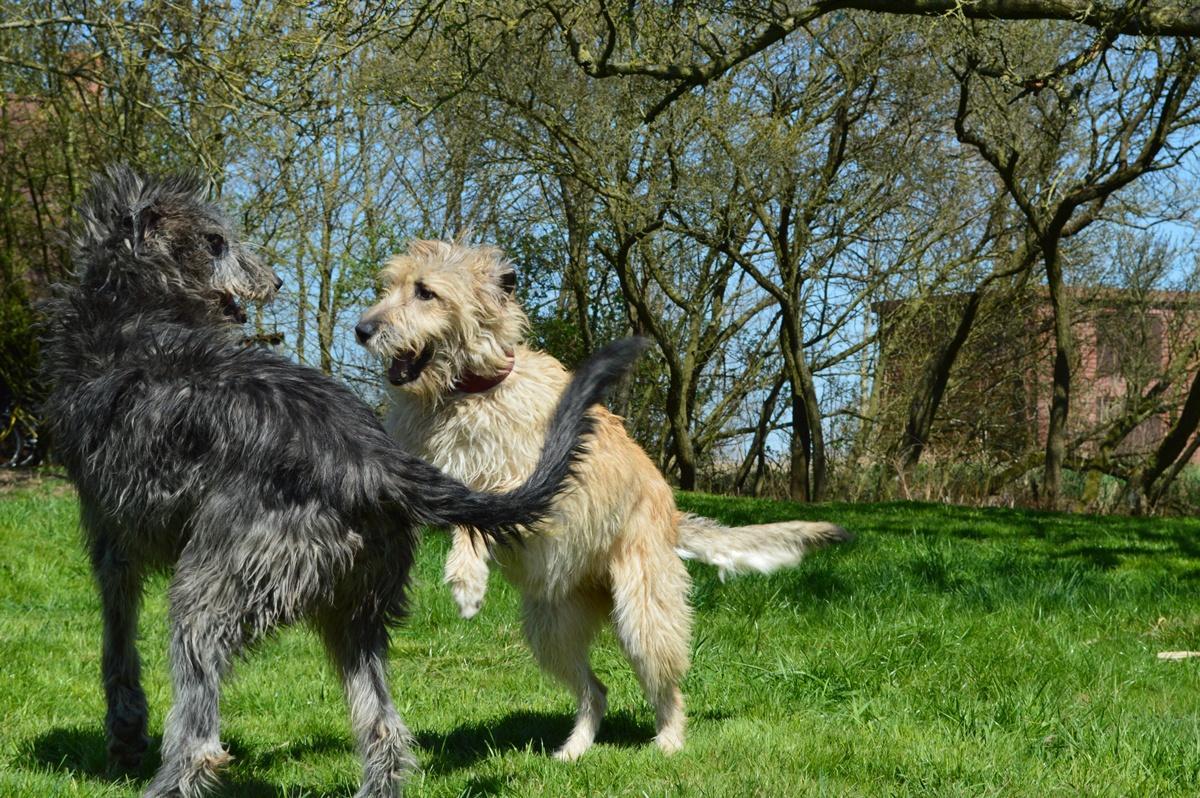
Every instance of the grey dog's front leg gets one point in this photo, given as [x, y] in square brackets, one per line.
[119, 585]
[467, 571]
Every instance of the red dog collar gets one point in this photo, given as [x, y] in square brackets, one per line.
[474, 383]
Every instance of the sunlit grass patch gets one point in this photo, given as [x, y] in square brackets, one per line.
[947, 651]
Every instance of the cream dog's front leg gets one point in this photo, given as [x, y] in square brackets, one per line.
[467, 571]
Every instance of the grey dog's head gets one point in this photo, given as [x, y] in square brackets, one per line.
[143, 237]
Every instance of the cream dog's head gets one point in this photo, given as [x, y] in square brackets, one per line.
[447, 313]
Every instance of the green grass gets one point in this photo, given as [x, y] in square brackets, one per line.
[948, 651]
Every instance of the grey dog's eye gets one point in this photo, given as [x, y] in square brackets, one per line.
[216, 244]
[424, 293]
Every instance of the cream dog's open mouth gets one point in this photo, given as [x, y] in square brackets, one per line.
[407, 366]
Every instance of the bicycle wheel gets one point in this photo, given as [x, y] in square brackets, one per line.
[29, 453]
[12, 446]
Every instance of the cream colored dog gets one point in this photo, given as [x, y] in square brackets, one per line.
[468, 396]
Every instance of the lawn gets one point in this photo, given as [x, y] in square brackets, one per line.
[948, 651]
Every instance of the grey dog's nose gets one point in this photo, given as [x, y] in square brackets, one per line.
[364, 330]
[278, 281]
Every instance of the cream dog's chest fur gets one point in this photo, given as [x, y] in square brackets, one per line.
[491, 441]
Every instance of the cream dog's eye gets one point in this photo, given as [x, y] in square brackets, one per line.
[424, 293]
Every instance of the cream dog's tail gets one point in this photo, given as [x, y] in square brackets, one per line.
[764, 548]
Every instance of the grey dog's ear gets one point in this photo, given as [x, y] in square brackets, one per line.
[137, 226]
[508, 281]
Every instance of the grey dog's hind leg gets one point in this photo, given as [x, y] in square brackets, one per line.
[203, 642]
[358, 650]
[119, 584]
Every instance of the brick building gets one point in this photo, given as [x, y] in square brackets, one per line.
[997, 402]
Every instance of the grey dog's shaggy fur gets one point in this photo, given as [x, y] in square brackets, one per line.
[271, 489]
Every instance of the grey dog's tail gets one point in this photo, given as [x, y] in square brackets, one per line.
[438, 499]
[760, 547]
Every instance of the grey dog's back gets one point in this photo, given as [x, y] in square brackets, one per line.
[154, 418]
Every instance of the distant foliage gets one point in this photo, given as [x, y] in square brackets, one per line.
[827, 223]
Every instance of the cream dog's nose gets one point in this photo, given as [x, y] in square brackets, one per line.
[364, 330]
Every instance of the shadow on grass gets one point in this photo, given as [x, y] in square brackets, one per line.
[81, 752]
[319, 743]
[540, 732]
[483, 785]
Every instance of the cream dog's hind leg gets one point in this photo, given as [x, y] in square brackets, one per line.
[560, 632]
[467, 571]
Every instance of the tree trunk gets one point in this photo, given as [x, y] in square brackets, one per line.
[807, 479]
[929, 392]
[1153, 483]
[685, 459]
[454, 224]
[576, 290]
[798, 486]
[325, 308]
[681, 438]
[1060, 398]
[756, 453]
[817, 436]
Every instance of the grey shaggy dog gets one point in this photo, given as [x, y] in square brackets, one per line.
[272, 490]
